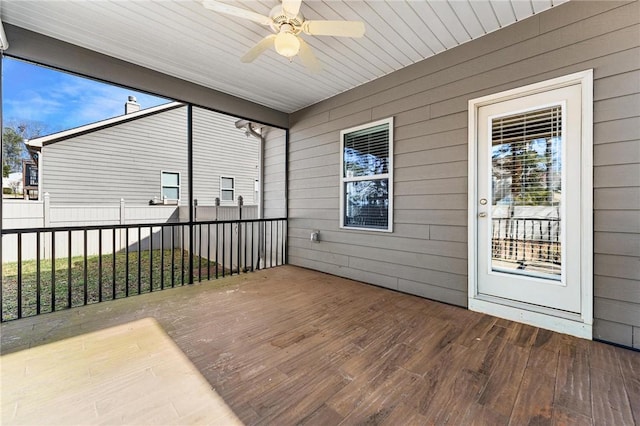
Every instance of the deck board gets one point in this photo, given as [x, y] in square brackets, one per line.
[294, 346]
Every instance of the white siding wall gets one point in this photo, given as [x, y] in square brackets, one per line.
[274, 173]
[220, 149]
[427, 252]
[126, 160]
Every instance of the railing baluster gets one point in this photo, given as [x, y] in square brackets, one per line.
[217, 247]
[271, 244]
[231, 248]
[244, 264]
[239, 245]
[99, 265]
[223, 250]
[126, 262]
[277, 239]
[69, 268]
[19, 277]
[53, 271]
[252, 252]
[182, 256]
[85, 272]
[173, 256]
[162, 258]
[38, 285]
[199, 253]
[139, 260]
[113, 266]
[151, 259]
[208, 251]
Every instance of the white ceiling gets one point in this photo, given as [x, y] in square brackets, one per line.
[182, 39]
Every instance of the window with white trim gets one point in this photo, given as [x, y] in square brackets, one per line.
[366, 188]
[227, 188]
[170, 182]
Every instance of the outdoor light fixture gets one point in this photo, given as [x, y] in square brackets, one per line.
[4, 43]
[286, 43]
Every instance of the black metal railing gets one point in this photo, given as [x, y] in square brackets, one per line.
[63, 267]
[526, 240]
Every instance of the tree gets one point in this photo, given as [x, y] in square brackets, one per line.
[13, 151]
[13, 148]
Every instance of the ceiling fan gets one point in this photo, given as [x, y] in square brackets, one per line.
[287, 23]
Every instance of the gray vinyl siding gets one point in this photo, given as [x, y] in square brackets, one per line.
[427, 252]
[126, 160]
[220, 149]
[122, 161]
[274, 173]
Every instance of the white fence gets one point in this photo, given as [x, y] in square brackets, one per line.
[43, 214]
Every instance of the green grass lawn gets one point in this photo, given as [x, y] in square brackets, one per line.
[70, 293]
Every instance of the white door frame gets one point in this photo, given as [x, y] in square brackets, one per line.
[575, 324]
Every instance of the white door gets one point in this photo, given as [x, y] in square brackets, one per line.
[529, 200]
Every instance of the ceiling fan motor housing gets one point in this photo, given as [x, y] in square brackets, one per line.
[280, 18]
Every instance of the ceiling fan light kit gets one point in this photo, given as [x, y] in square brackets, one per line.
[286, 21]
[287, 43]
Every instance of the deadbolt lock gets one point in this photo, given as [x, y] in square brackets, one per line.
[483, 201]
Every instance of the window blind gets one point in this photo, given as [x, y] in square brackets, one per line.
[543, 123]
[366, 152]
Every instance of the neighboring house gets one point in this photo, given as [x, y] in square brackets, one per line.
[141, 157]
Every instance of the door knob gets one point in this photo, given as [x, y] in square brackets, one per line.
[483, 214]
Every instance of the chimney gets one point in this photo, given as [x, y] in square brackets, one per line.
[132, 105]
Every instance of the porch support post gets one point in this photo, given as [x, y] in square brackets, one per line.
[190, 184]
[286, 196]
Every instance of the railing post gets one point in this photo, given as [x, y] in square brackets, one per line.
[190, 186]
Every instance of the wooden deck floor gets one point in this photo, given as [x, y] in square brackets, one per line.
[293, 346]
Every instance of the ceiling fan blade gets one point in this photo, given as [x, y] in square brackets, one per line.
[256, 50]
[218, 6]
[291, 7]
[334, 28]
[307, 57]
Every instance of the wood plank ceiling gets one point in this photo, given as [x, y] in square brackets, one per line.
[182, 39]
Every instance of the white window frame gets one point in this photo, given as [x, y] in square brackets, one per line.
[388, 176]
[233, 197]
[162, 186]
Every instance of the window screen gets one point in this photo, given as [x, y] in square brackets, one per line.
[366, 176]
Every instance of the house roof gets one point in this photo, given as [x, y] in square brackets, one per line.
[183, 39]
[92, 127]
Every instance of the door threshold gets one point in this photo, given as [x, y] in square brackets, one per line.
[538, 316]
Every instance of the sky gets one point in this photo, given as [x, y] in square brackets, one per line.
[60, 100]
